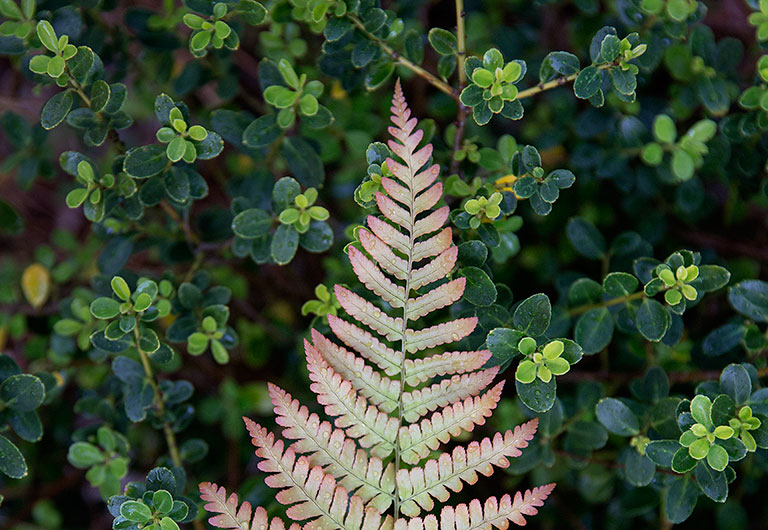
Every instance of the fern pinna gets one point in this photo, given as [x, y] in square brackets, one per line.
[392, 409]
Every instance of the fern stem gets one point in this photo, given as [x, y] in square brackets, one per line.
[399, 59]
[404, 328]
[170, 436]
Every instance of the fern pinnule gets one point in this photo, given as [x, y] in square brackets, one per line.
[391, 402]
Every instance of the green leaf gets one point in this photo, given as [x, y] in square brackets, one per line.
[146, 161]
[136, 511]
[47, 36]
[652, 320]
[163, 501]
[750, 298]
[533, 314]
[680, 499]
[701, 410]
[120, 288]
[284, 244]
[587, 82]
[105, 308]
[83, 455]
[585, 238]
[682, 164]
[479, 289]
[617, 417]
[56, 109]
[444, 42]
[280, 96]
[100, 92]
[664, 129]
[252, 223]
[594, 330]
[22, 392]
[12, 462]
[610, 48]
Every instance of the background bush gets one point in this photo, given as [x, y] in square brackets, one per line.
[179, 183]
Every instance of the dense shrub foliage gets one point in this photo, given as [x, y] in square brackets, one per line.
[199, 198]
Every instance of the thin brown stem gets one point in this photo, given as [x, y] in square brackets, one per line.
[399, 59]
[170, 436]
[461, 114]
[578, 310]
[560, 81]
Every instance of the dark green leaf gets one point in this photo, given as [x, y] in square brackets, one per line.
[22, 392]
[617, 417]
[145, 161]
[12, 462]
[680, 499]
[533, 314]
[538, 395]
[284, 244]
[56, 109]
[303, 161]
[750, 298]
[585, 238]
[587, 82]
[252, 223]
[652, 320]
[479, 289]
[444, 42]
[594, 330]
[735, 382]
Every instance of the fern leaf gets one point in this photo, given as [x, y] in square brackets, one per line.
[439, 297]
[230, 516]
[329, 448]
[435, 269]
[366, 345]
[375, 280]
[433, 246]
[448, 363]
[343, 473]
[419, 402]
[444, 333]
[384, 256]
[418, 439]
[374, 429]
[363, 311]
[389, 234]
[310, 493]
[380, 391]
[419, 485]
[476, 516]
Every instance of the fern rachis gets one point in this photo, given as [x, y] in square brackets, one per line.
[390, 409]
